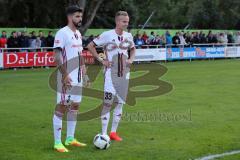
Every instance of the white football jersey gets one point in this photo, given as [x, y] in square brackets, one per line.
[116, 77]
[114, 43]
[71, 45]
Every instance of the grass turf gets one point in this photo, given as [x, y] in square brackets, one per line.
[205, 91]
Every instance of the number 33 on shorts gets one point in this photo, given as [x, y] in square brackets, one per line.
[108, 96]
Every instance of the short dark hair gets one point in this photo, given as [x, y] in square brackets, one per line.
[72, 9]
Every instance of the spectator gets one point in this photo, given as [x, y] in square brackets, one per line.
[225, 38]
[144, 37]
[3, 40]
[151, 39]
[168, 38]
[42, 38]
[31, 38]
[139, 40]
[203, 39]
[237, 38]
[200, 35]
[23, 40]
[36, 43]
[135, 37]
[34, 35]
[176, 39]
[19, 34]
[195, 38]
[222, 38]
[158, 40]
[49, 39]
[182, 39]
[187, 37]
[13, 41]
[230, 38]
[163, 39]
[211, 38]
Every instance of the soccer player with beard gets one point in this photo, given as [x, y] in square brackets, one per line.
[71, 69]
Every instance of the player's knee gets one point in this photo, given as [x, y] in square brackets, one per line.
[118, 110]
[75, 106]
[59, 114]
[106, 108]
[60, 109]
[107, 105]
[119, 106]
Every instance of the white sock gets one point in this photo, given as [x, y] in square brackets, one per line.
[117, 114]
[57, 128]
[71, 122]
[105, 116]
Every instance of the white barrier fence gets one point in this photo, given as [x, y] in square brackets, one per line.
[27, 57]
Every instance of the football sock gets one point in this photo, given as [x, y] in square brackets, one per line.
[117, 114]
[105, 116]
[57, 127]
[71, 122]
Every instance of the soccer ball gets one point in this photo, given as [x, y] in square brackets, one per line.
[101, 141]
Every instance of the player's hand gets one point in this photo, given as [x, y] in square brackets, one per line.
[67, 82]
[107, 63]
[129, 62]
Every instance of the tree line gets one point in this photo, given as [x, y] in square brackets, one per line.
[166, 14]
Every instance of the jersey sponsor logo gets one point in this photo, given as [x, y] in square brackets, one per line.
[124, 45]
[76, 45]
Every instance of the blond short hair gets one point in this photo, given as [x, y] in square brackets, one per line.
[121, 13]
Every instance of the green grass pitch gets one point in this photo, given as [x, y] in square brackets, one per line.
[207, 92]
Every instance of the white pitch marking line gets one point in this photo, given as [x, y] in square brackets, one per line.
[219, 155]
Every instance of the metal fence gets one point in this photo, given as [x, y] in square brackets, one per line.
[42, 49]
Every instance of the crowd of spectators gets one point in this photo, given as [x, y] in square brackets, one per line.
[186, 38]
[32, 40]
[26, 40]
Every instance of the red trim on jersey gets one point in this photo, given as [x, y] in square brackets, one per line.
[120, 65]
[63, 93]
[64, 57]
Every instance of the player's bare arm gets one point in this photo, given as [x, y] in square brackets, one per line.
[92, 49]
[83, 66]
[132, 56]
[60, 64]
